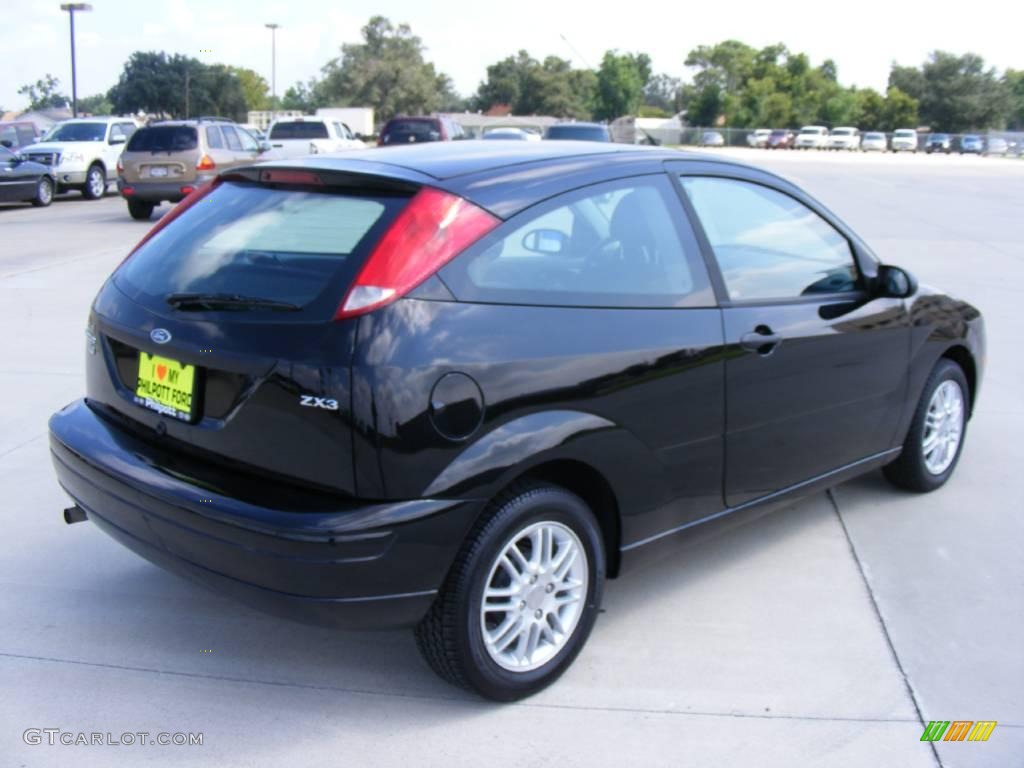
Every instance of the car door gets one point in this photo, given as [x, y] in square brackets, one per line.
[17, 178]
[599, 300]
[816, 364]
[250, 148]
[117, 137]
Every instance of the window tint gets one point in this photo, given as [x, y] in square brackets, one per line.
[248, 142]
[282, 244]
[301, 130]
[163, 138]
[580, 132]
[231, 137]
[610, 245]
[768, 245]
[405, 131]
[128, 128]
[214, 140]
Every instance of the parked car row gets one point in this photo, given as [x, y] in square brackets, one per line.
[851, 139]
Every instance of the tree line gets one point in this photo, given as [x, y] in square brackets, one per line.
[729, 84]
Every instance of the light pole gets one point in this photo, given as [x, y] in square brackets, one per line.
[273, 68]
[71, 8]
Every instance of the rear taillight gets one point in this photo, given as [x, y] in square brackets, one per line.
[196, 195]
[429, 232]
[120, 166]
[205, 163]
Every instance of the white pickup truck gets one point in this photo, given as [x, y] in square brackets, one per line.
[83, 152]
[301, 136]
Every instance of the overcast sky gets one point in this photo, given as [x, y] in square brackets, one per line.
[464, 36]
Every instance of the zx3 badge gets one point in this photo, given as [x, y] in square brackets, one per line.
[310, 401]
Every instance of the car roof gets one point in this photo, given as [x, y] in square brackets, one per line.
[447, 160]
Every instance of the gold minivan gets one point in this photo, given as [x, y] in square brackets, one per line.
[167, 160]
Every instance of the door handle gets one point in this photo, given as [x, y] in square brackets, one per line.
[762, 340]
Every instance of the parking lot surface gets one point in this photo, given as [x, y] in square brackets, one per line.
[823, 635]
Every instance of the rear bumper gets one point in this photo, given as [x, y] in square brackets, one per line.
[158, 191]
[359, 565]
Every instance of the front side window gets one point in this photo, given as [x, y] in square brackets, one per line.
[769, 245]
[610, 245]
[231, 138]
[248, 142]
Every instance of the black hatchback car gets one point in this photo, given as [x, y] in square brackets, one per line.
[456, 386]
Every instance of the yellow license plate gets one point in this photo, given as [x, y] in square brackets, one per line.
[165, 386]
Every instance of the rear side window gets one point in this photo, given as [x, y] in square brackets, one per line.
[769, 245]
[618, 244]
[409, 131]
[163, 138]
[301, 130]
[213, 138]
[291, 245]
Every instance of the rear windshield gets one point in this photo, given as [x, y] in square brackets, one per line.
[578, 132]
[843, 132]
[905, 134]
[284, 244]
[874, 136]
[301, 130]
[404, 131]
[163, 138]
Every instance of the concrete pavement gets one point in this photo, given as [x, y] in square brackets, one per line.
[823, 635]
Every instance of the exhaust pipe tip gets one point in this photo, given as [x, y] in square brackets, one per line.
[74, 515]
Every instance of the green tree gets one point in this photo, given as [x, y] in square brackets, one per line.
[154, 83]
[531, 87]
[870, 109]
[900, 110]
[620, 84]
[255, 90]
[387, 71]
[97, 104]
[177, 86]
[506, 82]
[1013, 83]
[955, 92]
[44, 94]
[663, 92]
[302, 96]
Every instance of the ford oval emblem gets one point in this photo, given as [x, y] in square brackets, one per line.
[160, 335]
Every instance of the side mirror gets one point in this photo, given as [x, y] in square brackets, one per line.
[548, 241]
[264, 146]
[117, 140]
[895, 282]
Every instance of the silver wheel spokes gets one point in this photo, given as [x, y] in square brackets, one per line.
[45, 191]
[534, 596]
[943, 427]
[97, 183]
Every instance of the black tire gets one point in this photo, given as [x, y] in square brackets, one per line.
[44, 192]
[140, 210]
[909, 470]
[92, 189]
[450, 636]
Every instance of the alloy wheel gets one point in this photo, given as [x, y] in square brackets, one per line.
[943, 427]
[534, 596]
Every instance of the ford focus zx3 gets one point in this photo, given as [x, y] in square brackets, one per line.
[456, 387]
